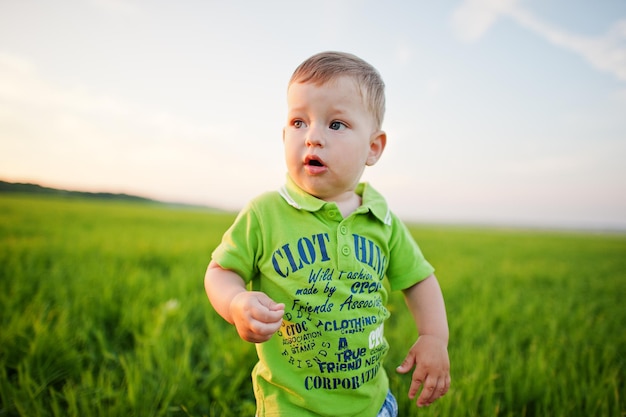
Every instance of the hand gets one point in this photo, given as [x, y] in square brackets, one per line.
[256, 316]
[429, 356]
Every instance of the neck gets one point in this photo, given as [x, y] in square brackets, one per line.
[347, 204]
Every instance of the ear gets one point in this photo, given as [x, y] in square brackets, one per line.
[378, 141]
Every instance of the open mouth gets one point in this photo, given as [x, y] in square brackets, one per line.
[314, 165]
[313, 161]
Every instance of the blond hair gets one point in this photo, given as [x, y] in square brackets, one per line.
[327, 66]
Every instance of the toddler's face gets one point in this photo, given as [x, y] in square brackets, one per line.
[329, 138]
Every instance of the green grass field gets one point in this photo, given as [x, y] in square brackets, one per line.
[103, 313]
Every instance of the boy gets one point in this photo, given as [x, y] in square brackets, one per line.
[315, 254]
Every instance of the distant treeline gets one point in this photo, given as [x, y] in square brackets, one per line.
[11, 187]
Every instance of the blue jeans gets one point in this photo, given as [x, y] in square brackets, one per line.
[390, 407]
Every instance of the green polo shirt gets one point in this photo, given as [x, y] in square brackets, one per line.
[326, 359]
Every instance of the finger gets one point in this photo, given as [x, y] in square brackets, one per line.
[267, 302]
[430, 392]
[267, 313]
[416, 384]
[417, 381]
[446, 386]
[267, 317]
[258, 332]
[277, 306]
[406, 365]
[264, 329]
[276, 312]
[272, 310]
[414, 388]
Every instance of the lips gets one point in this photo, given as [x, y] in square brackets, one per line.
[314, 164]
[313, 160]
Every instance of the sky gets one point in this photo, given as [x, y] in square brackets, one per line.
[498, 112]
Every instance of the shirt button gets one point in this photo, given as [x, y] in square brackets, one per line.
[332, 213]
[345, 250]
[343, 230]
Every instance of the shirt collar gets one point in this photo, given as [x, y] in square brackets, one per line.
[372, 200]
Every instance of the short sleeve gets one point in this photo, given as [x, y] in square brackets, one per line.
[407, 265]
[240, 245]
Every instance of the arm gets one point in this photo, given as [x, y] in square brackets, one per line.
[429, 355]
[256, 316]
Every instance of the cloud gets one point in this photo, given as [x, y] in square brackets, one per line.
[23, 89]
[82, 138]
[403, 52]
[606, 53]
[473, 18]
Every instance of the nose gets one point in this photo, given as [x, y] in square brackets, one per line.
[315, 137]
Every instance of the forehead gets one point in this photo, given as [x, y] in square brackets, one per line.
[340, 91]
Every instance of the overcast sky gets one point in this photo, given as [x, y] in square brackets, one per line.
[507, 112]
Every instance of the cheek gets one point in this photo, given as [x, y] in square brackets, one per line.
[288, 139]
[291, 151]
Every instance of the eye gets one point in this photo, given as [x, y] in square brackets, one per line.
[298, 124]
[336, 125]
